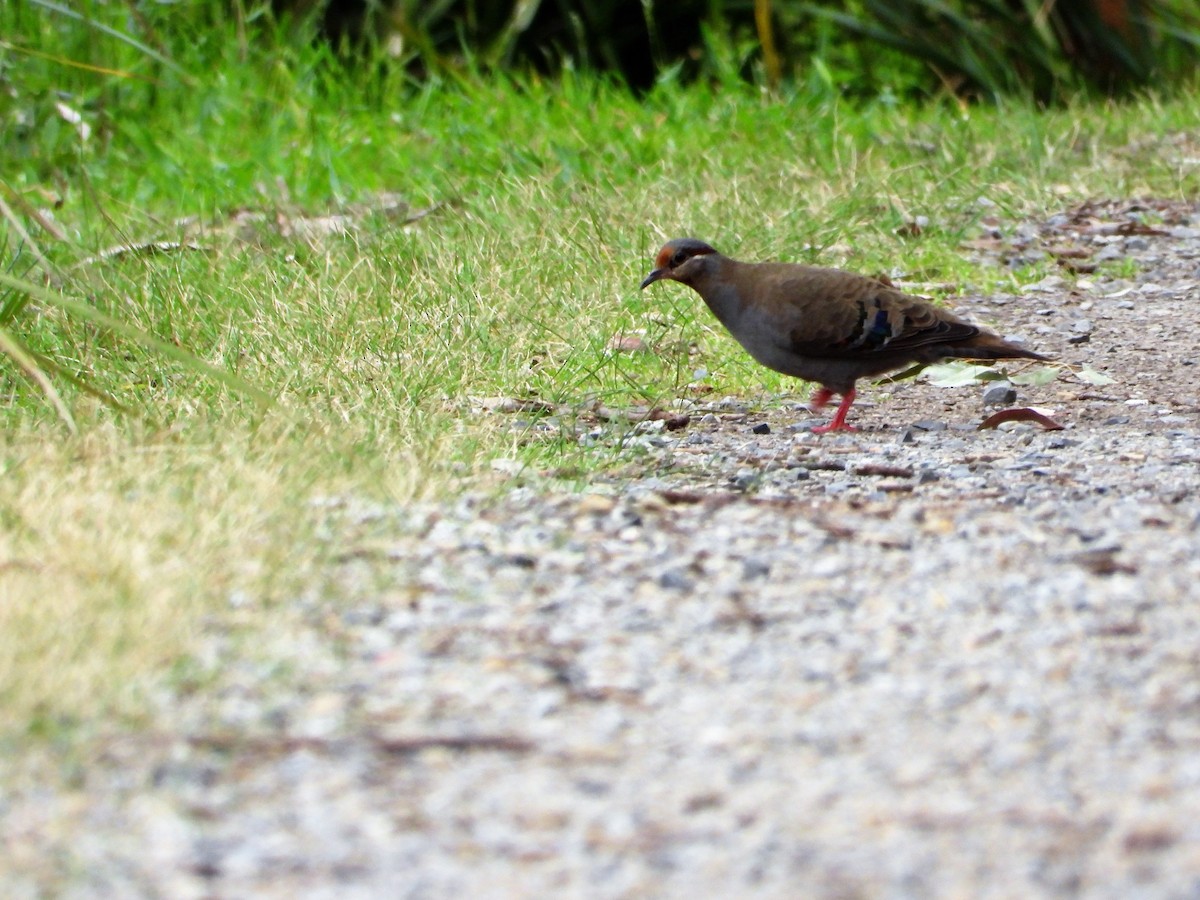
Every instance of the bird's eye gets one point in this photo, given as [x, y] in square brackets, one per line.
[678, 258]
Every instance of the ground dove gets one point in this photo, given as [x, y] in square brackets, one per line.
[824, 325]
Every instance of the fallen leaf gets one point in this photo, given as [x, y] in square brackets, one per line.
[1020, 414]
[913, 227]
[911, 372]
[1069, 252]
[626, 343]
[959, 374]
[1035, 377]
[674, 420]
[1103, 561]
[145, 247]
[1088, 375]
[881, 470]
[1082, 268]
[74, 117]
[513, 404]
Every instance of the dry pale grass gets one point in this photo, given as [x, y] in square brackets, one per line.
[116, 554]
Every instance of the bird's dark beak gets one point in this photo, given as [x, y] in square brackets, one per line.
[653, 277]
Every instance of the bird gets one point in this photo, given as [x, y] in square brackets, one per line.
[824, 325]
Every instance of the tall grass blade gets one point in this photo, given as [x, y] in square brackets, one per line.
[112, 32]
[17, 352]
[132, 332]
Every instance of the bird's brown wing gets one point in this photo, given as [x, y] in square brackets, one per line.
[859, 317]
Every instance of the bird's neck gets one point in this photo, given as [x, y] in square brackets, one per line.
[717, 289]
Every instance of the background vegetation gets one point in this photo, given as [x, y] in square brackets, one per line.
[264, 277]
[861, 46]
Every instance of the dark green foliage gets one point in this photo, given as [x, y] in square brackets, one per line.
[972, 47]
[995, 47]
[856, 47]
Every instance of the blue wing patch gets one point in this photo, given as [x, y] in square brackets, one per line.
[873, 329]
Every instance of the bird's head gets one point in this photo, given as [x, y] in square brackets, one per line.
[683, 260]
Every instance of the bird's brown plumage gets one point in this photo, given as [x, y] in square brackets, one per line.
[824, 325]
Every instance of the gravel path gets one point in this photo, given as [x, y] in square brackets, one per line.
[907, 662]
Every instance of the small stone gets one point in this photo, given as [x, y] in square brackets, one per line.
[761, 428]
[675, 423]
[745, 479]
[1136, 243]
[927, 476]
[1000, 393]
[1117, 420]
[929, 425]
[595, 504]
[676, 579]
[755, 567]
[1046, 285]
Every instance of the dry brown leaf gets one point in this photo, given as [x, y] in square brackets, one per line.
[1020, 414]
[626, 343]
[144, 247]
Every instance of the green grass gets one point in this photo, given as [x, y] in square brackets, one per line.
[120, 544]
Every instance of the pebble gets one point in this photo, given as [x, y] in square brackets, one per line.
[1000, 393]
[745, 479]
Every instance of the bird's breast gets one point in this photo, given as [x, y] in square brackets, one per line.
[764, 337]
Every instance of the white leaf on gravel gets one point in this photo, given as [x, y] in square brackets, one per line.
[1090, 376]
[1035, 377]
[957, 374]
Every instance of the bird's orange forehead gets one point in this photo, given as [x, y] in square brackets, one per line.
[663, 260]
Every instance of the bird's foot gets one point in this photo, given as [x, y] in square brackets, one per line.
[833, 426]
[839, 418]
[819, 398]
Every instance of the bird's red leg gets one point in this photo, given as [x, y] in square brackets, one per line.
[819, 398]
[839, 418]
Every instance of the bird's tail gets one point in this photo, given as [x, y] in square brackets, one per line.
[991, 346]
